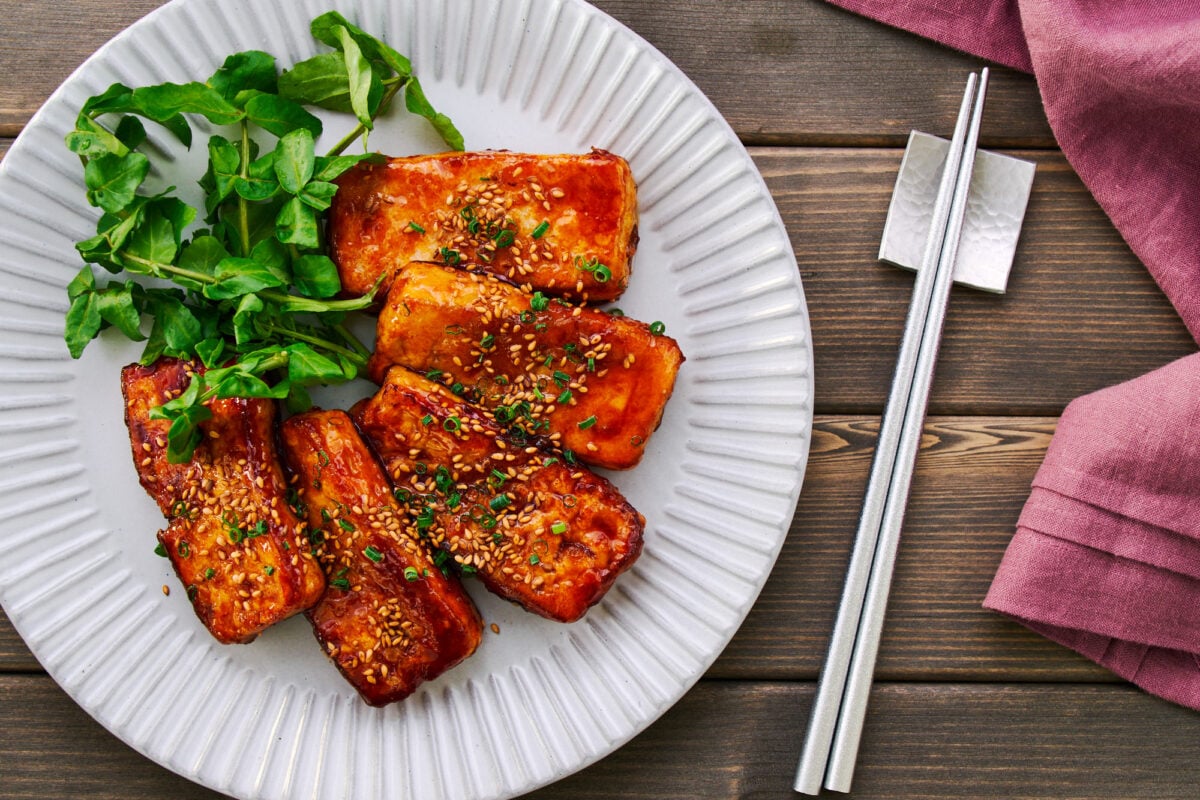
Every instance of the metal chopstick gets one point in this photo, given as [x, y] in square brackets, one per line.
[840, 704]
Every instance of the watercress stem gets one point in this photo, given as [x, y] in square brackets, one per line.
[359, 129]
[243, 205]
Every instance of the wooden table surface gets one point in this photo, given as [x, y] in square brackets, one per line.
[966, 703]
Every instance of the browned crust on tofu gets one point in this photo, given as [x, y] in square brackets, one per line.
[543, 533]
[236, 545]
[592, 382]
[390, 619]
[451, 208]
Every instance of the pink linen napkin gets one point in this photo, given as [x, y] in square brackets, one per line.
[1106, 556]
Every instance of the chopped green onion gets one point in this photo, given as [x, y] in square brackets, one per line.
[340, 583]
[565, 397]
[540, 230]
[602, 273]
[487, 341]
[411, 574]
[561, 378]
[454, 330]
[587, 423]
[658, 328]
[270, 570]
[452, 424]
[346, 525]
[533, 559]
[415, 227]
[427, 419]
[185, 549]
[558, 528]
[373, 554]
[449, 256]
[208, 573]
[526, 317]
[499, 502]
[505, 238]
[539, 302]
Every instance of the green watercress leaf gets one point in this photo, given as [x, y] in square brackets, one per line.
[417, 103]
[281, 116]
[167, 100]
[320, 81]
[238, 276]
[297, 224]
[294, 160]
[112, 181]
[361, 77]
[249, 70]
[316, 276]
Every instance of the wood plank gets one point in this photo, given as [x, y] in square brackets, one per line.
[820, 75]
[787, 72]
[972, 479]
[42, 43]
[971, 482]
[921, 741]
[1080, 313]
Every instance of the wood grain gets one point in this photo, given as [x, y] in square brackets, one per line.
[1080, 312]
[826, 78]
[734, 739]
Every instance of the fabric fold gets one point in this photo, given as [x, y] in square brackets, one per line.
[1106, 555]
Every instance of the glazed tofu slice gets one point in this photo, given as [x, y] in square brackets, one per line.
[563, 224]
[593, 383]
[239, 550]
[390, 619]
[546, 534]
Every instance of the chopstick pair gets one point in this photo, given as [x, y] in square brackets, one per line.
[835, 728]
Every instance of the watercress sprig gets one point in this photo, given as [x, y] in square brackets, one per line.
[242, 285]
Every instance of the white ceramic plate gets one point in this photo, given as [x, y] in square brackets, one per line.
[718, 485]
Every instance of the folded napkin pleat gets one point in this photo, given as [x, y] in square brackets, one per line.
[1106, 556]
